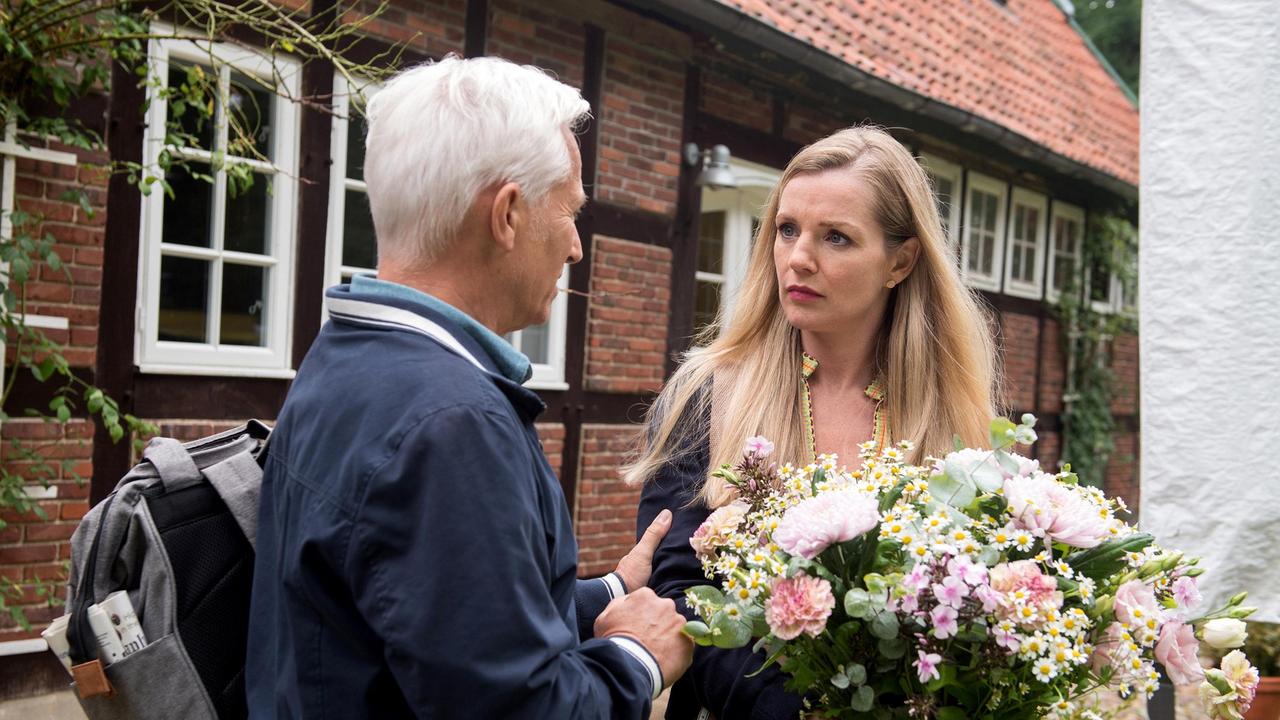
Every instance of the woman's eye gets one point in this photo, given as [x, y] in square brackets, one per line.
[836, 238]
[787, 230]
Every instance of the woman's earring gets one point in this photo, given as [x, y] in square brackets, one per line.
[890, 284]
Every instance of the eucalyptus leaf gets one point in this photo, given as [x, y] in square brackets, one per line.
[863, 699]
[857, 603]
[840, 680]
[885, 626]
[706, 594]
[727, 632]
[892, 648]
[856, 673]
[953, 487]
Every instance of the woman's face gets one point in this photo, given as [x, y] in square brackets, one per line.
[830, 254]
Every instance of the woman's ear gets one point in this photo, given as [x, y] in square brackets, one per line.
[507, 215]
[903, 259]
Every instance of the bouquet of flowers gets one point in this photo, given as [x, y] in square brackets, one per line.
[976, 586]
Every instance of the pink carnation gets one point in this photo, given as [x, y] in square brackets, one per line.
[1047, 507]
[822, 521]
[800, 604]
[1041, 590]
[1176, 650]
[716, 529]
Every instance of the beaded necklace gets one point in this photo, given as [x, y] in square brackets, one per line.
[880, 431]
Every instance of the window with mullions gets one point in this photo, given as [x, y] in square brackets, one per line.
[217, 248]
[726, 232]
[1066, 227]
[983, 251]
[1023, 264]
[946, 177]
[352, 243]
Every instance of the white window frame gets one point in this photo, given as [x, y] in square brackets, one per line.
[1115, 291]
[986, 184]
[939, 168]
[1035, 289]
[1069, 212]
[546, 376]
[211, 358]
[740, 205]
[339, 183]
[10, 151]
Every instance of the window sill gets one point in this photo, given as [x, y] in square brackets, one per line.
[546, 385]
[218, 370]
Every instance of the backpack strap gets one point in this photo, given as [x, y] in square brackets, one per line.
[172, 462]
[238, 481]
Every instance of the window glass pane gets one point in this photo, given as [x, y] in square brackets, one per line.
[356, 129]
[189, 84]
[1100, 285]
[711, 242]
[249, 118]
[1025, 225]
[243, 305]
[707, 304]
[188, 215]
[534, 343]
[248, 215]
[184, 299]
[359, 247]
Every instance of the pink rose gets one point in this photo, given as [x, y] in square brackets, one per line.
[1136, 604]
[800, 604]
[1176, 650]
[820, 522]
[717, 528]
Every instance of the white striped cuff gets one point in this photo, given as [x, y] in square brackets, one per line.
[638, 651]
[616, 588]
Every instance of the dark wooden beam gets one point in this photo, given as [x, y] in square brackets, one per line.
[629, 223]
[572, 401]
[684, 234]
[477, 26]
[313, 202]
[114, 372]
[204, 397]
[743, 142]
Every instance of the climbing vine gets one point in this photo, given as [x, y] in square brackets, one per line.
[1109, 250]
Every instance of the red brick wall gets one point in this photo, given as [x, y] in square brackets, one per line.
[728, 98]
[1122, 471]
[605, 512]
[806, 123]
[525, 32]
[75, 291]
[1020, 336]
[640, 125]
[552, 437]
[1124, 366]
[1053, 371]
[430, 27]
[31, 547]
[627, 319]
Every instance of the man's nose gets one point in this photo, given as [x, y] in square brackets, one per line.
[575, 250]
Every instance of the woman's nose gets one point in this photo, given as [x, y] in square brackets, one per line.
[802, 258]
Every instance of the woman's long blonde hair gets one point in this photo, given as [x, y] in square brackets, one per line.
[934, 356]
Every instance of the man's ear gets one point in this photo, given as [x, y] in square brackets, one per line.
[904, 259]
[508, 215]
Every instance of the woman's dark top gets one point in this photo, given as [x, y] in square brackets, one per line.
[717, 679]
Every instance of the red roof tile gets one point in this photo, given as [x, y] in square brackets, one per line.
[1021, 66]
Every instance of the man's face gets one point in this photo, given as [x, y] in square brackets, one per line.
[550, 241]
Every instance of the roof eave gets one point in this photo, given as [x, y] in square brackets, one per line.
[717, 18]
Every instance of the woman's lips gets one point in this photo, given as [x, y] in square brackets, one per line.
[800, 293]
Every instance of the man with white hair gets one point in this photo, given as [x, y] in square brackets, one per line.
[415, 555]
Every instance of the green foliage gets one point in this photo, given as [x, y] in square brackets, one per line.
[53, 54]
[1115, 26]
[1110, 247]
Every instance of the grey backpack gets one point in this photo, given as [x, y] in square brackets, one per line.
[177, 535]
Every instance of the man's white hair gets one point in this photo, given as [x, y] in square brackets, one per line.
[440, 133]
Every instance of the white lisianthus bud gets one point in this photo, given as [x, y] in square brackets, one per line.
[1223, 633]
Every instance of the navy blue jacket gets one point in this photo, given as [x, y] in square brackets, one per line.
[415, 555]
[717, 680]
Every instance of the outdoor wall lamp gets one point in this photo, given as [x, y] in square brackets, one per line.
[714, 163]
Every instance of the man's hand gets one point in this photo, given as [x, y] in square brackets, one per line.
[654, 623]
[634, 568]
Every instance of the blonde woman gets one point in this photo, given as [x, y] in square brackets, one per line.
[852, 325]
